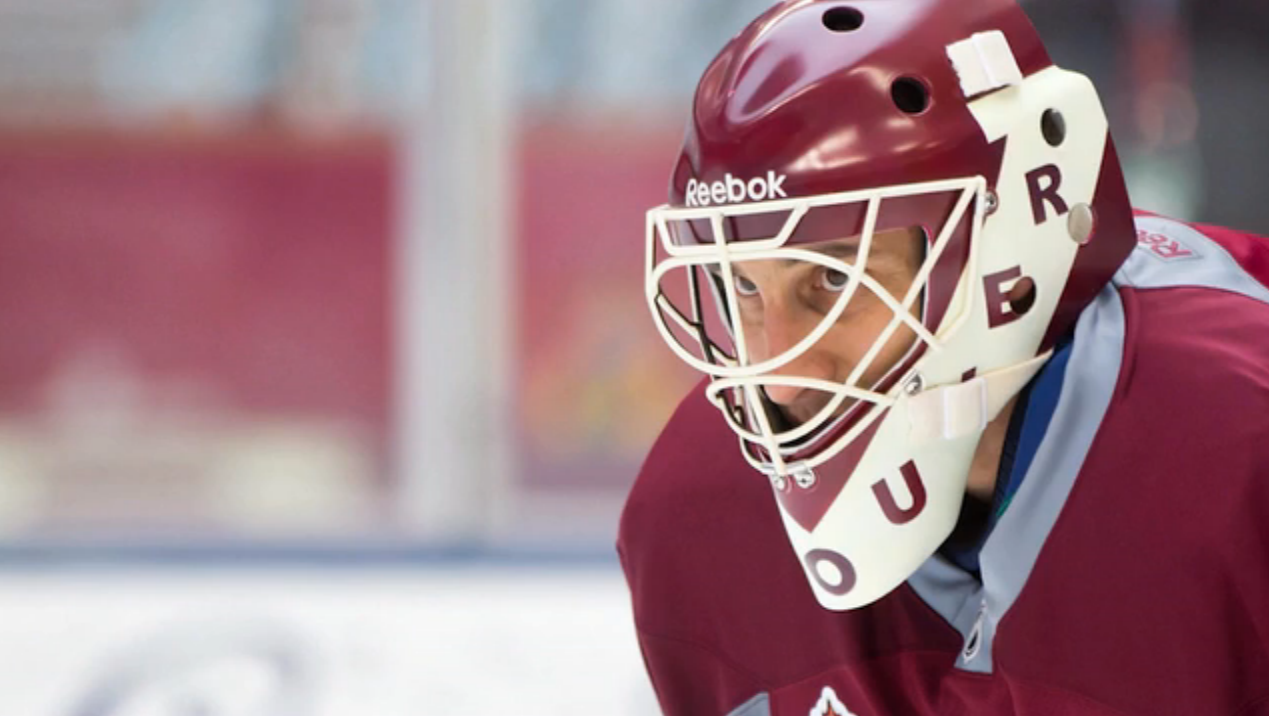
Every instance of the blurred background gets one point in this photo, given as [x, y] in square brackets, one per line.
[324, 364]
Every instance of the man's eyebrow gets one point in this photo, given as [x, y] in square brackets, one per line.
[837, 251]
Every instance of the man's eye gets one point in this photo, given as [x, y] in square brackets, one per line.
[833, 280]
[745, 287]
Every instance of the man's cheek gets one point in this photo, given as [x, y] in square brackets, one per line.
[896, 345]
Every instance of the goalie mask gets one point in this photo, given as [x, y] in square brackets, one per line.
[885, 215]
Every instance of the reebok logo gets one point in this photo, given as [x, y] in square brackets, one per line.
[731, 190]
[1163, 246]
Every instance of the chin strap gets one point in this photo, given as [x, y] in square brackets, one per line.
[955, 411]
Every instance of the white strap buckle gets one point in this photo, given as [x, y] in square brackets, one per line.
[955, 411]
[984, 63]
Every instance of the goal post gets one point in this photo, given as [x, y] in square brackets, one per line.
[454, 278]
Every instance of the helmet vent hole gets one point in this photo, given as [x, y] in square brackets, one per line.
[910, 95]
[1053, 126]
[843, 19]
[1022, 297]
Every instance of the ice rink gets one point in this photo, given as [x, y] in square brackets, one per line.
[273, 641]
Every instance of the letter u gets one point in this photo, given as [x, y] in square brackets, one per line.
[885, 496]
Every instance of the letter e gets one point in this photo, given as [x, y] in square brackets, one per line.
[999, 309]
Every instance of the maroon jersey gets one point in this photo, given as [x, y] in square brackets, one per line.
[1128, 576]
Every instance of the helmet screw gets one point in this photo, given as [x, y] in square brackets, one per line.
[780, 483]
[1081, 223]
[915, 385]
[992, 202]
[804, 477]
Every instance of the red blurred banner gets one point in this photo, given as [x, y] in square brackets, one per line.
[165, 303]
[194, 331]
[596, 381]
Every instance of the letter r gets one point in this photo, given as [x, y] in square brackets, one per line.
[1049, 193]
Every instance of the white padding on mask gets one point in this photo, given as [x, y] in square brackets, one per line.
[956, 411]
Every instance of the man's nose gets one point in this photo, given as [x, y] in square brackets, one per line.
[784, 328]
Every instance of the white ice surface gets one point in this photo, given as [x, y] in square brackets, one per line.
[455, 641]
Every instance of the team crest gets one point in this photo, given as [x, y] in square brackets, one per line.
[830, 705]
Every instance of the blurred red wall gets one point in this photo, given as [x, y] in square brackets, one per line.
[249, 275]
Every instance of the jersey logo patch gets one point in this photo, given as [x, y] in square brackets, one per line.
[830, 705]
[1164, 247]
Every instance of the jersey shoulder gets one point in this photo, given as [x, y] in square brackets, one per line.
[1187, 429]
[696, 523]
[697, 516]
[1196, 313]
[1196, 340]
[1163, 533]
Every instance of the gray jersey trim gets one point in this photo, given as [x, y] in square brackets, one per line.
[1092, 372]
[1211, 266]
[759, 705]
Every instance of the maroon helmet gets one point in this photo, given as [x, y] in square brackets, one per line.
[823, 131]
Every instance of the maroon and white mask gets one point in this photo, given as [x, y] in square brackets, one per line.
[823, 138]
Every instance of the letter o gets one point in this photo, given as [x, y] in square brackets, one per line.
[845, 583]
[757, 189]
